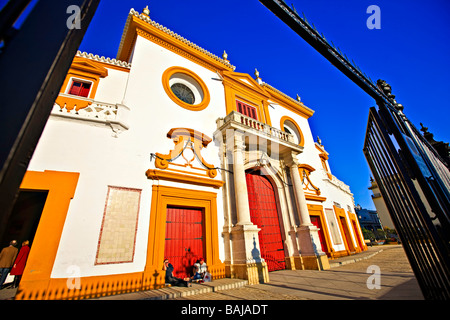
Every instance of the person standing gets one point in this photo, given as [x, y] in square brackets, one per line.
[19, 263]
[7, 257]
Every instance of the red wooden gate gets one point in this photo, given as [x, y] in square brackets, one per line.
[315, 220]
[264, 214]
[184, 239]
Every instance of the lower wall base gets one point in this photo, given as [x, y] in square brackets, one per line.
[315, 262]
[294, 263]
[254, 273]
[98, 286]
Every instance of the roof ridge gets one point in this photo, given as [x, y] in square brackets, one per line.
[107, 60]
[147, 19]
[285, 95]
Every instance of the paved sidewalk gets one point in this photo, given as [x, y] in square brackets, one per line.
[346, 280]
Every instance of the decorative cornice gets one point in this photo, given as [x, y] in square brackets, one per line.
[298, 105]
[151, 23]
[155, 174]
[110, 61]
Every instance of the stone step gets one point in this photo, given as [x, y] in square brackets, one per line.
[177, 292]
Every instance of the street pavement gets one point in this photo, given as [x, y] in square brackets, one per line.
[380, 273]
[347, 280]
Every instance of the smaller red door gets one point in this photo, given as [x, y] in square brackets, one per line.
[315, 220]
[184, 239]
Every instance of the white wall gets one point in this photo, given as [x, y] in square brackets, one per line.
[101, 159]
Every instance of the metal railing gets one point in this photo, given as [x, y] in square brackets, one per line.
[420, 228]
[260, 127]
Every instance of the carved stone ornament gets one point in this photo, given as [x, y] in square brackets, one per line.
[188, 146]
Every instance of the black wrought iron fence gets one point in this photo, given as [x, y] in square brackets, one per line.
[420, 220]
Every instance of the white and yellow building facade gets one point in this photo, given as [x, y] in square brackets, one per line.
[138, 143]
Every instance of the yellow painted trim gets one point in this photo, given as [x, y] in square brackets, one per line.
[165, 81]
[317, 210]
[265, 108]
[146, 30]
[350, 247]
[163, 196]
[186, 138]
[173, 176]
[307, 167]
[259, 110]
[35, 283]
[85, 69]
[89, 66]
[323, 156]
[320, 148]
[288, 103]
[72, 102]
[248, 91]
[302, 138]
[314, 197]
[359, 236]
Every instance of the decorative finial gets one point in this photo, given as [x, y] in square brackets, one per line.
[319, 141]
[146, 11]
[298, 98]
[225, 55]
[256, 73]
[423, 128]
[258, 79]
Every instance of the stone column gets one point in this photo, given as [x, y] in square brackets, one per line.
[247, 262]
[307, 234]
[240, 183]
[302, 206]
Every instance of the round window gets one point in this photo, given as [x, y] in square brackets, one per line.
[185, 88]
[290, 128]
[288, 125]
[183, 93]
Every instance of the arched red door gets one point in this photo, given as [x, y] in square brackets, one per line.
[264, 214]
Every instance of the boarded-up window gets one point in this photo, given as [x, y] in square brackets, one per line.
[118, 231]
[332, 223]
[246, 110]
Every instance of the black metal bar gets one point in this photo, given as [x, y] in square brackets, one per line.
[408, 213]
[414, 180]
[318, 42]
[33, 65]
[9, 15]
[403, 221]
[392, 196]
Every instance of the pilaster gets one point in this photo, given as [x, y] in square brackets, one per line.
[311, 252]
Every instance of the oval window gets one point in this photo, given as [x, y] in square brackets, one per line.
[185, 88]
[183, 93]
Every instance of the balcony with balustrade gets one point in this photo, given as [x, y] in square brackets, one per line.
[78, 108]
[257, 132]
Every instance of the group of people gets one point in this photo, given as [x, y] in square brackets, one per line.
[200, 274]
[12, 261]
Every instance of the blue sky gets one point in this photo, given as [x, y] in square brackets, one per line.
[411, 52]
